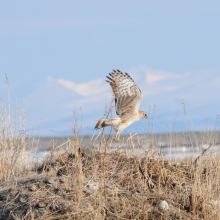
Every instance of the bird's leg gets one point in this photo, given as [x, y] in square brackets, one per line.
[118, 135]
[116, 138]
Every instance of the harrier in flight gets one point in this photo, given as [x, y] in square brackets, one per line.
[127, 100]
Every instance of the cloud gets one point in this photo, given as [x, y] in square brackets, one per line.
[155, 82]
[154, 76]
[169, 90]
[55, 100]
[84, 89]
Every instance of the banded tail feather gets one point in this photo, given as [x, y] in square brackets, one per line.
[104, 122]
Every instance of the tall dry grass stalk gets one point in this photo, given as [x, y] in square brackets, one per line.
[13, 140]
[78, 160]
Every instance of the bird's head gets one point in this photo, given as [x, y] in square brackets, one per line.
[143, 114]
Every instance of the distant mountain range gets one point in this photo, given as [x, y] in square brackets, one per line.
[174, 102]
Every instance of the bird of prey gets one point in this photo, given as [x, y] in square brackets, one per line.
[127, 100]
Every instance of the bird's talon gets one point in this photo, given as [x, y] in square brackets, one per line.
[116, 139]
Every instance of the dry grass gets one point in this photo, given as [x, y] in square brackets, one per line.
[14, 141]
[93, 185]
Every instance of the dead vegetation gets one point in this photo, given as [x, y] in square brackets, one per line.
[113, 186]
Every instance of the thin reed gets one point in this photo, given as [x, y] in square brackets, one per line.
[13, 139]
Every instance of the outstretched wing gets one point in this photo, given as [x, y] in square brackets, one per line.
[127, 94]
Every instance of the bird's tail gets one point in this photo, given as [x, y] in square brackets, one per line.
[104, 122]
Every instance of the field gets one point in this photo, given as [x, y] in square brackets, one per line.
[77, 182]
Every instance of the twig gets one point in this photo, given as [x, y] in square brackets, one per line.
[195, 163]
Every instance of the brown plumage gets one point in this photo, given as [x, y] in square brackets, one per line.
[127, 100]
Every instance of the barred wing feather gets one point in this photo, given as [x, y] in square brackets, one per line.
[127, 94]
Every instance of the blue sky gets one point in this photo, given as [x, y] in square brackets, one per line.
[57, 54]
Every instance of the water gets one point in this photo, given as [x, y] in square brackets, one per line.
[181, 152]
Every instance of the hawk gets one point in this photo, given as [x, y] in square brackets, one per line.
[127, 100]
